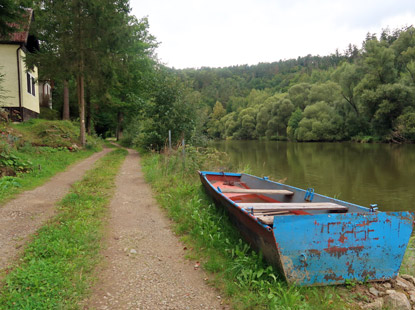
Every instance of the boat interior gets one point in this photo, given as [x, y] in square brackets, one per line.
[264, 199]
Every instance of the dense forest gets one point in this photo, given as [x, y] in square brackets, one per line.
[106, 75]
[365, 94]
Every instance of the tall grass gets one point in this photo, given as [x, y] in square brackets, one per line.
[55, 270]
[245, 280]
[45, 162]
[408, 264]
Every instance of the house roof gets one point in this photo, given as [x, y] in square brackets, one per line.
[23, 27]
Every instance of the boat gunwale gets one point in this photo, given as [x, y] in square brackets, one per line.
[233, 203]
[348, 204]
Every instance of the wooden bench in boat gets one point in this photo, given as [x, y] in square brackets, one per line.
[292, 206]
[265, 212]
[256, 191]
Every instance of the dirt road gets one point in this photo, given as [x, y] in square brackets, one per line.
[21, 217]
[144, 266]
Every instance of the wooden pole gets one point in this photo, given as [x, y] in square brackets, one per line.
[169, 141]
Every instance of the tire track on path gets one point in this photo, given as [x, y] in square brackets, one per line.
[22, 216]
[144, 266]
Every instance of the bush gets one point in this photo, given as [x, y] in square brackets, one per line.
[320, 122]
[405, 126]
[49, 114]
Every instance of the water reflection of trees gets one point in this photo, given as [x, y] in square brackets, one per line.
[360, 173]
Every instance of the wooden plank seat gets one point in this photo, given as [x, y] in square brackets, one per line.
[265, 212]
[292, 206]
[256, 191]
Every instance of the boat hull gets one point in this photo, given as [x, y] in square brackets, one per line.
[324, 248]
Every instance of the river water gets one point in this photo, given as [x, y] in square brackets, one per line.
[360, 173]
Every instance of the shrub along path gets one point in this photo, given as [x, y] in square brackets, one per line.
[144, 266]
[21, 217]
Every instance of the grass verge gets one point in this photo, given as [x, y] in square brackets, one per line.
[55, 269]
[240, 273]
[408, 264]
[45, 163]
[33, 151]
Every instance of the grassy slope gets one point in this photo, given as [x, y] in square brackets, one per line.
[56, 267]
[44, 146]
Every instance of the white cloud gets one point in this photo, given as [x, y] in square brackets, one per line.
[223, 33]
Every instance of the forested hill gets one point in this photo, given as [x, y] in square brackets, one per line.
[102, 62]
[361, 94]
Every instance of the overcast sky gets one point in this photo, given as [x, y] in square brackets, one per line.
[220, 33]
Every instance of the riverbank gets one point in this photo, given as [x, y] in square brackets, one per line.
[245, 281]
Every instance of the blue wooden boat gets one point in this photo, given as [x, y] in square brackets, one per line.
[312, 239]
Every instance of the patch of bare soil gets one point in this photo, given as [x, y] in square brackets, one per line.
[144, 266]
[21, 217]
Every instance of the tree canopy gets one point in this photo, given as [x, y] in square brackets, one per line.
[360, 94]
[104, 67]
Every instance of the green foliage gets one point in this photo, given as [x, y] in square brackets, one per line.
[105, 54]
[293, 122]
[365, 92]
[298, 95]
[8, 182]
[404, 129]
[55, 269]
[246, 124]
[13, 161]
[22, 149]
[50, 133]
[49, 114]
[167, 110]
[319, 123]
[408, 263]
[10, 15]
[281, 112]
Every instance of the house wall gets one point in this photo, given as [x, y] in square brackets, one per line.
[29, 101]
[8, 67]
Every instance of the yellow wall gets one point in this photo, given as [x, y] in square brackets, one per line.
[28, 100]
[8, 67]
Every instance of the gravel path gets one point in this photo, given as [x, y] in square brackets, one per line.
[21, 217]
[144, 266]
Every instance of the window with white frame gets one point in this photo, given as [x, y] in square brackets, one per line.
[30, 84]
